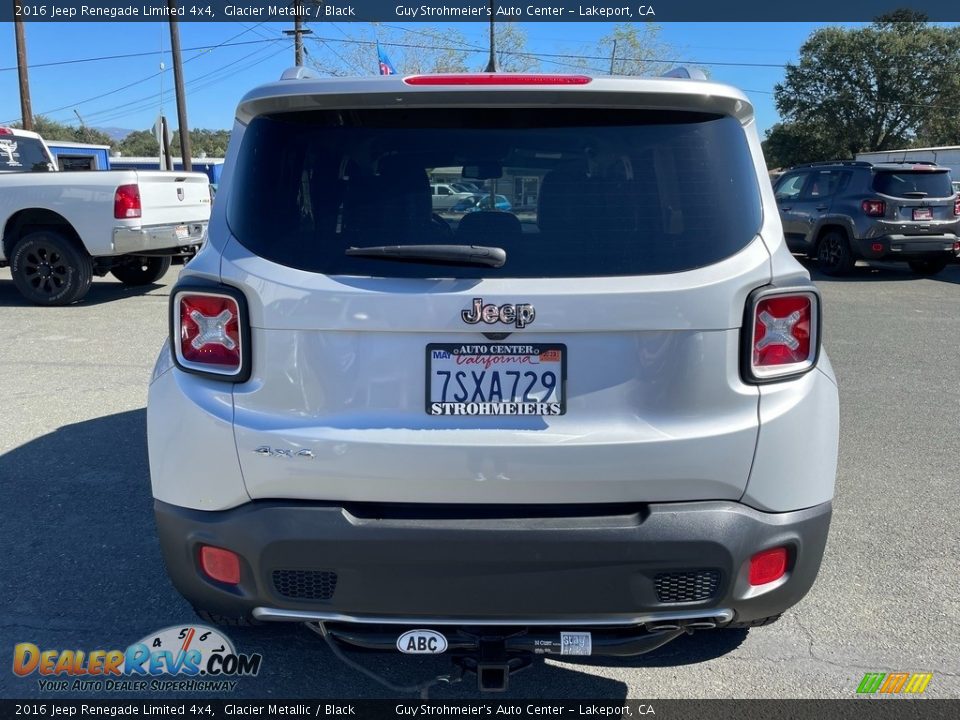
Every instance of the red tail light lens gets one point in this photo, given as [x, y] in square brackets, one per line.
[221, 565]
[126, 202]
[956, 206]
[783, 327]
[874, 208]
[209, 333]
[497, 79]
[5, 131]
[767, 566]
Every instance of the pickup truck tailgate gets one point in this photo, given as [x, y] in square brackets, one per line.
[173, 198]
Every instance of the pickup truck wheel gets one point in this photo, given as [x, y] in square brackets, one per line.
[927, 267]
[142, 270]
[834, 255]
[48, 269]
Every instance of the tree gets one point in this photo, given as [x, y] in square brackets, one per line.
[140, 143]
[52, 130]
[511, 46]
[791, 143]
[877, 87]
[425, 50]
[639, 49]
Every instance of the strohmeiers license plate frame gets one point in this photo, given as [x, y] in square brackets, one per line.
[922, 214]
[491, 351]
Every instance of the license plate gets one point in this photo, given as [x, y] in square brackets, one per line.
[183, 232]
[496, 379]
[923, 214]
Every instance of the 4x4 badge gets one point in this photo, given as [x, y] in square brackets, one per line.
[521, 314]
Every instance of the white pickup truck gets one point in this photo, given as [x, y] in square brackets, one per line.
[60, 229]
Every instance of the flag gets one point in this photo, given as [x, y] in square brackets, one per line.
[386, 67]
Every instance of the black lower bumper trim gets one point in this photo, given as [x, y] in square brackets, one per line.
[502, 569]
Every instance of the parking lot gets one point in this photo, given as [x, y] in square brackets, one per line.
[81, 566]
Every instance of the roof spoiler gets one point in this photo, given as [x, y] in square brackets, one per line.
[685, 73]
[298, 73]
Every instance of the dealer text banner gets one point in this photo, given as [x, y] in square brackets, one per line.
[470, 10]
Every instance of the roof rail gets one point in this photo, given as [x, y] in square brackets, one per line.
[298, 73]
[685, 73]
[850, 163]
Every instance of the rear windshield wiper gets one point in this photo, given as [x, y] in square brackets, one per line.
[441, 254]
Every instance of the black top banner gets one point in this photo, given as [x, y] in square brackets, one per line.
[442, 11]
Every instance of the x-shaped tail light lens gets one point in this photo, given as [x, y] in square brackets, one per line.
[208, 333]
[785, 334]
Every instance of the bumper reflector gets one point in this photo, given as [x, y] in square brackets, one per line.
[767, 566]
[221, 565]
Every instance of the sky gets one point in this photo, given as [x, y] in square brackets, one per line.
[217, 78]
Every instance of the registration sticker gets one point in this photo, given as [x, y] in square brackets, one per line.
[496, 379]
[576, 643]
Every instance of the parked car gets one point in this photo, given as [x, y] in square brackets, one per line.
[844, 211]
[60, 229]
[590, 437]
[444, 196]
[481, 202]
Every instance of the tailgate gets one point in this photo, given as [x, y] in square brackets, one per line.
[174, 198]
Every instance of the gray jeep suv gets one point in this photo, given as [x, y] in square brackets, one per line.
[844, 211]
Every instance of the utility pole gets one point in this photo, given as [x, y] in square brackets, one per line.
[613, 55]
[165, 142]
[178, 84]
[26, 112]
[298, 32]
[492, 62]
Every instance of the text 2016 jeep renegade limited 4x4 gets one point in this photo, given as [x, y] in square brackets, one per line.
[581, 427]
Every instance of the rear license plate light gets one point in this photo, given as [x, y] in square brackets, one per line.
[496, 379]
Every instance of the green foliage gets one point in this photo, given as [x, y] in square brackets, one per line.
[891, 84]
[142, 143]
[789, 144]
[639, 49]
[51, 130]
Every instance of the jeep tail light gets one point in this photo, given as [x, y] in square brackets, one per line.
[126, 202]
[208, 333]
[956, 205]
[783, 332]
[874, 208]
[220, 565]
[767, 566]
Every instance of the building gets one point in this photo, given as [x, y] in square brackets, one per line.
[80, 156]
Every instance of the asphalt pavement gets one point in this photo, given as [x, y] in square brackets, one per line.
[80, 566]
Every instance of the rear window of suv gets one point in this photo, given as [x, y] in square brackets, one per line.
[913, 184]
[564, 192]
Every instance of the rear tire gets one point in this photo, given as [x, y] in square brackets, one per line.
[50, 270]
[142, 270]
[226, 621]
[834, 255]
[759, 622]
[927, 267]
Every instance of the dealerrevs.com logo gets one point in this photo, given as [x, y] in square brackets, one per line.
[178, 658]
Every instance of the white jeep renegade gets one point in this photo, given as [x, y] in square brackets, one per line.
[583, 426]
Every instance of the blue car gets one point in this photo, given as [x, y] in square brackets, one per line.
[481, 202]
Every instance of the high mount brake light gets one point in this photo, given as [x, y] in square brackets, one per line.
[209, 332]
[781, 333]
[497, 79]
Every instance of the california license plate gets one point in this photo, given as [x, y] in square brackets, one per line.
[496, 379]
[922, 214]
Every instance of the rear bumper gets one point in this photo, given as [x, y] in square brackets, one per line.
[906, 247]
[128, 241]
[514, 566]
